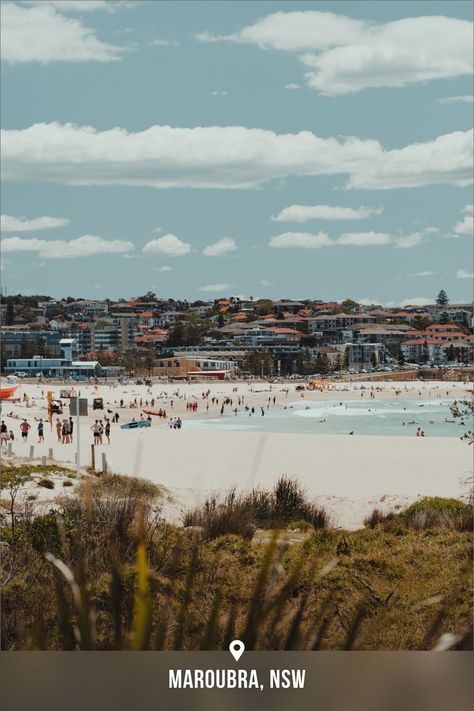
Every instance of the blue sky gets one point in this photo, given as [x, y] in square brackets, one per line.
[200, 149]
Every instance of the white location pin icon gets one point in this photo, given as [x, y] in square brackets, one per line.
[236, 648]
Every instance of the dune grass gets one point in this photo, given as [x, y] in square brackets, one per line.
[429, 512]
[242, 514]
[103, 571]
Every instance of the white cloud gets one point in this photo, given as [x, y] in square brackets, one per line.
[365, 239]
[343, 55]
[72, 5]
[465, 99]
[215, 287]
[465, 226]
[292, 86]
[463, 274]
[216, 92]
[413, 301]
[409, 241]
[300, 240]
[157, 229]
[83, 5]
[165, 268]
[419, 164]
[468, 209]
[85, 246]
[15, 224]
[164, 43]
[303, 213]
[169, 245]
[222, 246]
[416, 301]
[41, 34]
[224, 157]
[265, 282]
[422, 274]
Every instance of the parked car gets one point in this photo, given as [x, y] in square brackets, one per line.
[56, 407]
[21, 374]
[97, 403]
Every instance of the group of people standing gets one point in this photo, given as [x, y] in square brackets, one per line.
[99, 429]
[64, 430]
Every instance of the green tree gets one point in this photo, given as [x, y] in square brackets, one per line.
[425, 353]
[259, 363]
[374, 360]
[148, 297]
[349, 305]
[264, 307]
[444, 318]
[400, 356]
[11, 480]
[442, 298]
[346, 360]
[420, 323]
[322, 365]
[10, 314]
[176, 335]
[450, 353]
[304, 362]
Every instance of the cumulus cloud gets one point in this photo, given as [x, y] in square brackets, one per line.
[229, 157]
[215, 287]
[222, 246]
[216, 92]
[416, 301]
[83, 5]
[463, 274]
[465, 226]
[344, 55]
[85, 246]
[158, 42]
[304, 213]
[73, 5]
[300, 240]
[465, 99]
[412, 240]
[169, 245]
[365, 239]
[349, 239]
[419, 164]
[422, 274]
[292, 86]
[16, 224]
[165, 268]
[41, 34]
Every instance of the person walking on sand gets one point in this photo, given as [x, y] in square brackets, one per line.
[418, 432]
[40, 431]
[58, 429]
[71, 428]
[24, 428]
[107, 431]
[96, 431]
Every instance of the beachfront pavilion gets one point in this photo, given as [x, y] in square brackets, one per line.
[184, 366]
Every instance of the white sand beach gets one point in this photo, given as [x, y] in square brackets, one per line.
[349, 475]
